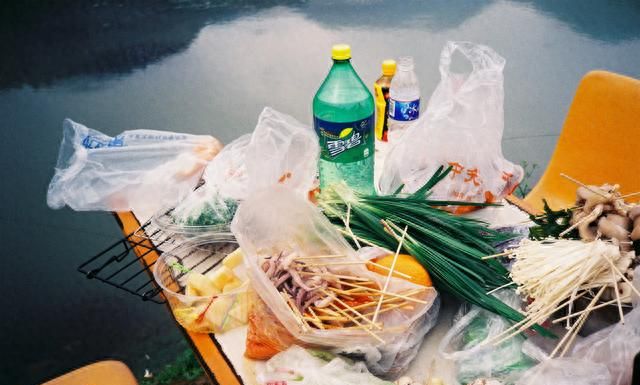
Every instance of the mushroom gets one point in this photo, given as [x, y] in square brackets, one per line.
[634, 212]
[587, 232]
[619, 220]
[634, 215]
[610, 229]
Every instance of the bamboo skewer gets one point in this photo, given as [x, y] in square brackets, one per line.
[355, 321]
[294, 310]
[569, 337]
[335, 275]
[319, 323]
[583, 185]
[387, 293]
[615, 287]
[391, 270]
[354, 237]
[348, 307]
[503, 254]
[501, 287]
[596, 307]
[358, 263]
[321, 256]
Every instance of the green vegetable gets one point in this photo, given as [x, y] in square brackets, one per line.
[450, 247]
[218, 211]
[551, 224]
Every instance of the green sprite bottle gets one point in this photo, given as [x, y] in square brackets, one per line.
[343, 117]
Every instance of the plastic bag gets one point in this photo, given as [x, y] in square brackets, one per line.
[462, 128]
[615, 346]
[281, 150]
[566, 371]
[276, 220]
[266, 336]
[141, 169]
[304, 367]
[463, 344]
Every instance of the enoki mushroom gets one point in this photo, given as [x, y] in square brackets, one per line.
[555, 272]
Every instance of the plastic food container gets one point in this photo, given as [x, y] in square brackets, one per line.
[164, 221]
[222, 310]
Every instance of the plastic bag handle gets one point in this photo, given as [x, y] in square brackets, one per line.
[483, 59]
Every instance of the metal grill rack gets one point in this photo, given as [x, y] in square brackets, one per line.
[127, 264]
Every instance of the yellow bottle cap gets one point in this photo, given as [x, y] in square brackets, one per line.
[341, 52]
[388, 67]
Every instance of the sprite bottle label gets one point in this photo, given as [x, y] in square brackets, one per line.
[345, 142]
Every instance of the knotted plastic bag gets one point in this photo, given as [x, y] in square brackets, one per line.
[462, 128]
[280, 151]
[141, 169]
[278, 220]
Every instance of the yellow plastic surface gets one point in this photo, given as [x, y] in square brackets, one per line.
[599, 143]
[99, 373]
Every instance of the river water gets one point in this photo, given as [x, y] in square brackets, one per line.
[209, 68]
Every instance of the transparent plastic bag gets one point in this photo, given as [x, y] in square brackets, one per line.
[615, 346]
[281, 150]
[462, 128]
[141, 169]
[566, 371]
[463, 344]
[276, 220]
[308, 367]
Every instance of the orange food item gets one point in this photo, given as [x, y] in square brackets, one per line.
[266, 336]
[405, 264]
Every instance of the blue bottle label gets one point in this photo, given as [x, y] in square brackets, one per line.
[404, 111]
[345, 142]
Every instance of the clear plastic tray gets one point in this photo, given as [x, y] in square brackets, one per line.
[205, 314]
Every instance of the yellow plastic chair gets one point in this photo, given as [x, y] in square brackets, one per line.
[99, 373]
[599, 143]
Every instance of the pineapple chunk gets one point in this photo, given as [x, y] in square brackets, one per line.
[240, 310]
[221, 277]
[218, 311]
[234, 259]
[200, 285]
[232, 285]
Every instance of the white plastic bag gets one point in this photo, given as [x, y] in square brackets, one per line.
[303, 367]
[615, 346]
[141, 169]
[566, 371]
[280, 150]
[462, 128]
[278, 220]
[464, 344]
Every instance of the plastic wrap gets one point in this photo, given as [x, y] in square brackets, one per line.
[566, 371]
[615, 346]
[462, 128]
[463, 345]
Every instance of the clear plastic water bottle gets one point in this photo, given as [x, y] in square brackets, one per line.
[343, 117]
[404, 99]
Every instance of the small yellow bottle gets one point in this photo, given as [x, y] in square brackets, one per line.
[381, 96]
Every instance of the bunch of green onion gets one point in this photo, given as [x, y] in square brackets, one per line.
[450, 247]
